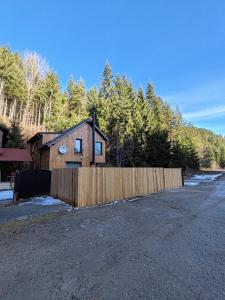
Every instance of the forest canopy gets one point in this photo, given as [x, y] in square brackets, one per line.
[142, 128]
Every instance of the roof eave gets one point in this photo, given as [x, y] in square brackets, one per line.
[38, 135]
[34, 138]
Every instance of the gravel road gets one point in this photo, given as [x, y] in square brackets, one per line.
[169, 245]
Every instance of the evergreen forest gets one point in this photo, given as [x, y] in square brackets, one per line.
[143, 129]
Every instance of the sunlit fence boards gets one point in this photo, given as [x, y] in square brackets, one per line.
[91, 186]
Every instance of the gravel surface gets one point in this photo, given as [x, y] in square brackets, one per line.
[169, 245]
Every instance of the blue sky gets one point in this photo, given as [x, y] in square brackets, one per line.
[177, 45]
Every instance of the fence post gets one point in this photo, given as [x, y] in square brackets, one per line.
[164, 182]
[15, 197]
[182, 176]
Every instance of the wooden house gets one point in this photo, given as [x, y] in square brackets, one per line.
[80, 145]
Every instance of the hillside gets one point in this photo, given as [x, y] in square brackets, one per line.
[143, 129]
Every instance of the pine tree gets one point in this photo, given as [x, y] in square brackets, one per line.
[58, 119]
[207, 157]
[158, 149]
[150, 94]
[193, 157]
[13, 91]
[106, 85]
[11, 73]
[156, 109]
[77, 102]
[140, 115]
[105, 99]
[222, 157]
[15, 136]
[178, 119]
[179, 157]
[92, 100]
[168, 119]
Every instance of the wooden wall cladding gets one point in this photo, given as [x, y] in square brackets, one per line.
[46, 137]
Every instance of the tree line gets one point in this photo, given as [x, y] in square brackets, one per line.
[143, 128]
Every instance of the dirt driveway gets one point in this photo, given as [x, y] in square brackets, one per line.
[170, 245]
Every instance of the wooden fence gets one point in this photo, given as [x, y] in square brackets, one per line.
[90, 186]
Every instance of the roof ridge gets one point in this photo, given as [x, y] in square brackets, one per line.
[68, 130]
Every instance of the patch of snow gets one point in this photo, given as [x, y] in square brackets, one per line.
[190, 183]
[134, 199]
[22, 218]
[43, 201]
[206, 177]
[197, 179]
[6, 195]
[70, 207]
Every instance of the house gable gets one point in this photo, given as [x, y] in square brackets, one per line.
[72, 129]
[84, 133]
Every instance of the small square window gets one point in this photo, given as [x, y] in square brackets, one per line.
[78, 146]
[72, 164]
[98, 148]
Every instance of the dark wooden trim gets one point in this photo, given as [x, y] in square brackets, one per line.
[182, 175]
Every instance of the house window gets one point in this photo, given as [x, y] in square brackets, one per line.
[72, 164]
[78, 146]
[98, 148]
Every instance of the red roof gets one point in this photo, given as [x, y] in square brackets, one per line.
[11, 154]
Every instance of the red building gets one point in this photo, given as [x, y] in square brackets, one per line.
[10, 158]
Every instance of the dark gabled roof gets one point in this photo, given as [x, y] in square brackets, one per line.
[39, 135]
[69, 130]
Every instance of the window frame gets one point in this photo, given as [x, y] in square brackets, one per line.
[81, 146]
[101, 148]
[68, 162]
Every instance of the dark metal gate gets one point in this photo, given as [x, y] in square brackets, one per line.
[30, 183]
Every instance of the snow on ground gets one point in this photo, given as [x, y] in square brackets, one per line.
[6, 195]
[46, 200]
[197, 179]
